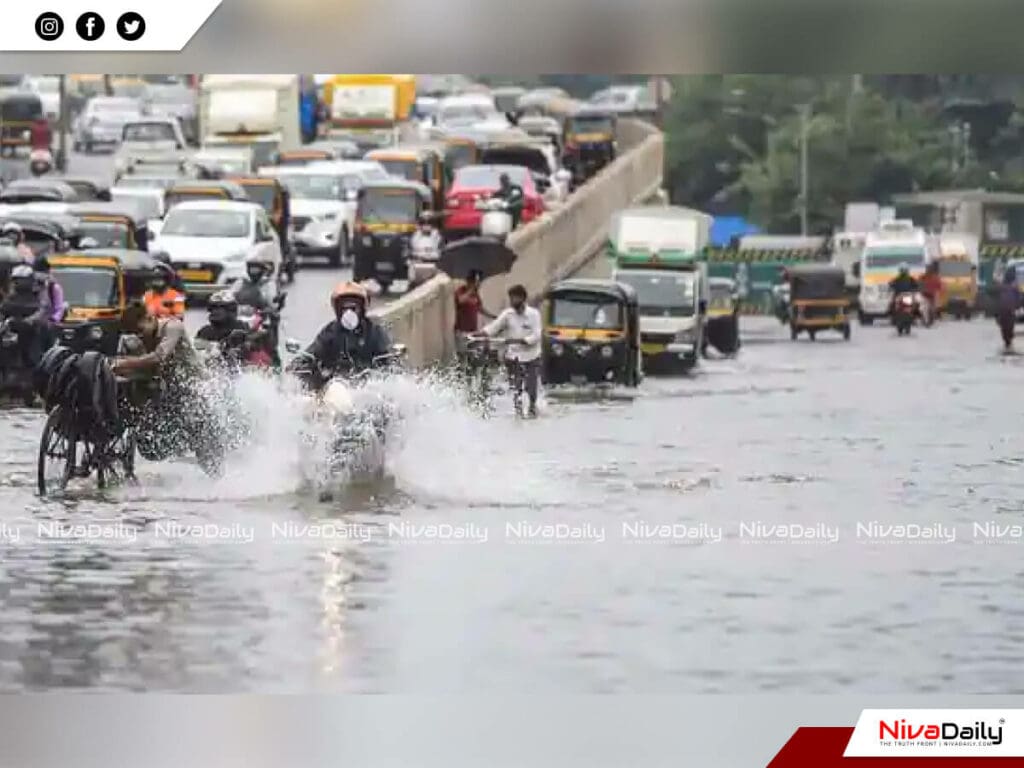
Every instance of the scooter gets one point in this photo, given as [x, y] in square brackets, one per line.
[906, 309]
[40, 162]
[496, 221]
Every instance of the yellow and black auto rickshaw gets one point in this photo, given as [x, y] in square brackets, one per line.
[722, 323]
[423, 164]
[112, 225]
[591, 334]
[818, 300]
[274, 198]
[959, 277]
[200, 189]
[386, 217]
[460, 148]
[19, 110]
[98, 285]
[589, 143]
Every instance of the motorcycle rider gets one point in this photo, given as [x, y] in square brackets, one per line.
[24, 313]
[426, 238]
[231, 333]
[513, 196]
[163, 299]
[904, 282]
[12, 233]
[259, 291]
[1007, 303]
[349, 343]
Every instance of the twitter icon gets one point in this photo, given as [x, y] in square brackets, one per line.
[131, 26]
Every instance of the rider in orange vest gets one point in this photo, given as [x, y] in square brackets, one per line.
[162, 299]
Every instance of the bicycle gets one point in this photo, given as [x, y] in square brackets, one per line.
[70, 449]
[486, 348]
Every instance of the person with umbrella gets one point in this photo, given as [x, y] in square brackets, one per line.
[521, 327]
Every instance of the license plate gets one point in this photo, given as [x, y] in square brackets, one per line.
[196, 275]
[652, 349]
[385, 266]
[578, 379]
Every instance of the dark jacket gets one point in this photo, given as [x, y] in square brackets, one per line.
[1008, 301]
[22, 307]
[218, 333]
[903, 284]
[338, 349]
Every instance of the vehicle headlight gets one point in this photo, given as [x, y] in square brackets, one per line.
[95, 333]
[367, 240]
[606, 351]
[557, 349]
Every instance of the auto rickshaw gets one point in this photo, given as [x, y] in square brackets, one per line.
[112, 225]
[959, 276]
[722, 323]
[304, 156]
[386, 217]
[818, 300]
[45, 233]
[274, 198]
[24, 191]
[423, 164]
[19, 110]
[98, 285]
[203, 190]
[589, 142]
[86, 189]
[460, 148]
[591, 334]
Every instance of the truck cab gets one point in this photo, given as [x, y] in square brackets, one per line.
[894, 244]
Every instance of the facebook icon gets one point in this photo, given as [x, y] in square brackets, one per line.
[90, 26]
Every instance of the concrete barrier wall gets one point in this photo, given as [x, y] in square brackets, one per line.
[548, 249]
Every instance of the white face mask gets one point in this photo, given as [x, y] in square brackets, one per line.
[349, 319]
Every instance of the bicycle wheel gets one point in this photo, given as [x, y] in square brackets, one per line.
[56, 464]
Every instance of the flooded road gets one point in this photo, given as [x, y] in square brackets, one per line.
[751, 528]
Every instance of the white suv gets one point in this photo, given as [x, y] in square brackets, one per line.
[324, 196]
[209, 241]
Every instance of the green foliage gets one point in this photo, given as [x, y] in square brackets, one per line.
[733, 142]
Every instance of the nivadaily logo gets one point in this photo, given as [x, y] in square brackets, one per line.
[978, 733]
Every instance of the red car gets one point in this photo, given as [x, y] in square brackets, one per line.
[477, 182]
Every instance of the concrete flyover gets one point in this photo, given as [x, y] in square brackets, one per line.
[548, 249]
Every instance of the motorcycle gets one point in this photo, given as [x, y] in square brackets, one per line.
[40, 162]
[264, 324]
[780, 299]
[354, 431]
[906, 309]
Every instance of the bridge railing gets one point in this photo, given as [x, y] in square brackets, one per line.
[552, 247]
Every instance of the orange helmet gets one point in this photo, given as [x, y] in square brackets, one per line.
[350, 290]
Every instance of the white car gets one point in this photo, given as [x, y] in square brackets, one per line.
[47, 88]
[624, 99]
[102, 122]
[209, 241]
[148, 200]
[475, 110]
[153, 139]
[324, 197]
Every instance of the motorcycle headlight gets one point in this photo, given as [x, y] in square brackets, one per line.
[367, 240]
[95, 333]
[557, 349]
[606, 351]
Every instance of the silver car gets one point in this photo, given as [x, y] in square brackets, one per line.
[101, 123]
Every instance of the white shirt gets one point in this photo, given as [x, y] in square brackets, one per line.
[428, 241]
[525, 326]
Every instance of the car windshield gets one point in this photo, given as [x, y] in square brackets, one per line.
[591, 125]
[388, 206]
[586, 311]
[721, 296]
[149, 132]
[45, 84]
[147, 205]
[403, 169]
[955, 268]
[306, 186]
[206, 223]
[487, 177]
[464, 113]
[894, 258]
[663, 293]
[107, 234]
[94, 288]
[21, 107]
[264, 194]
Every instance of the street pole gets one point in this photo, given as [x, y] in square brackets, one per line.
[804, 121]
[62, 124]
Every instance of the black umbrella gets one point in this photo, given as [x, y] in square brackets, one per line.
[489, 256]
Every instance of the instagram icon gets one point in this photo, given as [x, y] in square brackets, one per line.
[49, 26]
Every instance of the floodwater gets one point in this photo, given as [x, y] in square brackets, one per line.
[628, 546]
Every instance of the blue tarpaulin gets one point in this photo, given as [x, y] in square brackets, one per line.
[725, 228]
